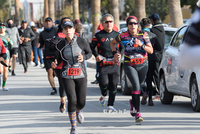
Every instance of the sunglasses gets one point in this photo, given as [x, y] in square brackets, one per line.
[2, 27]
[132, 23]
[108, 21]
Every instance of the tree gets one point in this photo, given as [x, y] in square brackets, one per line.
[75, 9]
[192, 3]
[157, 6]
[96, 7]
[140, 11]
[46, 9]
[16, 12]
[51, 9]
[175, 13]
[115, 11]
[67, 9]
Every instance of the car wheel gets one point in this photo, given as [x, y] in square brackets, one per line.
[165, 96]
[124, 85]
[195, 98]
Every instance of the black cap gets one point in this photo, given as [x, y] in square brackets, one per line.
[67, 23]
[154, 17]
[48, 19]
[2, 24]
[24, 21]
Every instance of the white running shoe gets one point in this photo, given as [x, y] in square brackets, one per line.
[5, 89]
[111, 109]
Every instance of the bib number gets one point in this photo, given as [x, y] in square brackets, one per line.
[137, 59]
[73, 71]
[107, 62]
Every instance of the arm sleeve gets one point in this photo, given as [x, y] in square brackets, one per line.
[33, 36]
[93, 46]
[87, 51]
[118, 38]
[41, 41]
[18, 38]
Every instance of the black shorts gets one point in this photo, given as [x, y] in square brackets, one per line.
[13, 51]
[47, 62]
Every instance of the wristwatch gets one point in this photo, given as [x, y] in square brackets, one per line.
[143, 46]
[114, 52]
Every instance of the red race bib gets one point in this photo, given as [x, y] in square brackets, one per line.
[137, 61]
[73, 71]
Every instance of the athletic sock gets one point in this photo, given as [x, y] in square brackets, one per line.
[4, 83]
[136, 99]
[72, 118]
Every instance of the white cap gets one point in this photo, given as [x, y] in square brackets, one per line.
[32, 23]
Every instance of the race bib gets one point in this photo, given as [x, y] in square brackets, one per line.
[136, 59]
[108, 61]
[73, 71]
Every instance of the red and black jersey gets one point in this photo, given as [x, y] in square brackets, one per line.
[3, 50]
[102, 40]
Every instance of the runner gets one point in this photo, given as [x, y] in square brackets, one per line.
[14, 34]
[8, 45]
[108, 70]
[44, 42]
[137, 45]
[3, 57]
[145, 24]
[26, 35]
[59, 35]
[73, 51]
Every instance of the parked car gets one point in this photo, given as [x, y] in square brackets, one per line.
[175, 80]
[125, 83]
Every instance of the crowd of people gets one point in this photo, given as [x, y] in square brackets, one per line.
[65, 50]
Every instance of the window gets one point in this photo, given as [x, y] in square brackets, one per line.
[168, 36]
[178, 38]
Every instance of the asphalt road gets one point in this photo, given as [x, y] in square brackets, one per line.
[28, 108]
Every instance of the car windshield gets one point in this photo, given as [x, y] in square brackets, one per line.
[168, 36]
[123, 26]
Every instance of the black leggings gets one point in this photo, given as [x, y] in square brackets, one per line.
[108, 80]
[149, 79]
[136, 74]
[61, 87]
[75, 90]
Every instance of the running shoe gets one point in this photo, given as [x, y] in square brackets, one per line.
[132, 110]
[5, 89]
[13, 73]
[95, 82]
[73, 130]
[80, 117]
[102, 100]
[9, 68]
[62, 107]
[150, 103]
[156, 97]
[138, 118]
[144, 98]
[111, 109]
[54, 92]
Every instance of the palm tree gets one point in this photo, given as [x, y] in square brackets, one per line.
[115, 11]
[140, 9]
[96, 8]
[175, 13]
[75, 9]
[16, 12]
[46, 9]
[51, 9]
